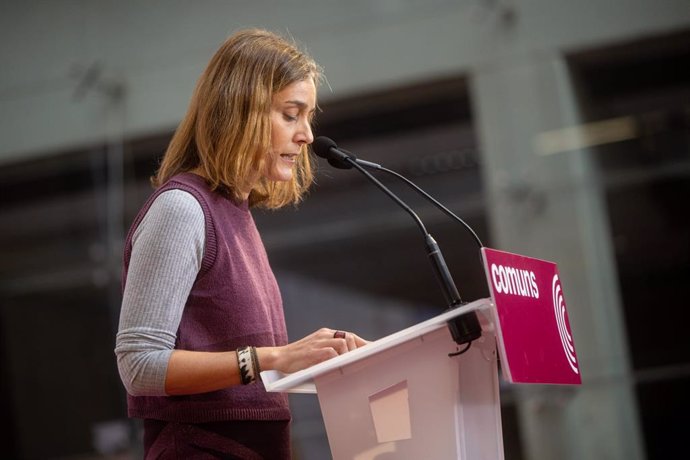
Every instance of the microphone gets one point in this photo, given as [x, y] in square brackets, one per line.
[465, 328]
[326, 148]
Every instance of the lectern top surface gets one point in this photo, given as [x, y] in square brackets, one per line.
[302, 381]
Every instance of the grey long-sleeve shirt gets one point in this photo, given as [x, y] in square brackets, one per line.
[167, 251]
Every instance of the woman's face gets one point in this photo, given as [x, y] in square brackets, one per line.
[291, 114]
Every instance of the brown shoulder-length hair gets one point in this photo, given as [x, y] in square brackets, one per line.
[226, 131]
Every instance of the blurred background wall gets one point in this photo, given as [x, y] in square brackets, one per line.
[557, 129]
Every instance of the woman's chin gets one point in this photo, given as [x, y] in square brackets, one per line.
[281, 175]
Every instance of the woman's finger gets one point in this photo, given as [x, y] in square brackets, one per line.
[351, 342]
[339, 345]
[348, 338]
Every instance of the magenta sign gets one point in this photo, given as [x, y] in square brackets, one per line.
[534, 336]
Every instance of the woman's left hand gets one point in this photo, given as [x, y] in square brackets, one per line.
[317, 347]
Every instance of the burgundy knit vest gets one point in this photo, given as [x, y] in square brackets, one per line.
[235, 301]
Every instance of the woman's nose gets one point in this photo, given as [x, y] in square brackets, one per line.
[305, 135]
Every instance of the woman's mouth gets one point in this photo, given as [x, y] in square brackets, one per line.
[289, 157]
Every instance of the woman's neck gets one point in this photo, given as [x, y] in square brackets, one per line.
[199, 171]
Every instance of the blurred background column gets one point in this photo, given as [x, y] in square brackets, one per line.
[549, 204]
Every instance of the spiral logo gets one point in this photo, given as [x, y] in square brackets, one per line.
[559, 310]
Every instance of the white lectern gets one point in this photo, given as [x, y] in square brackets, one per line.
[404, 397]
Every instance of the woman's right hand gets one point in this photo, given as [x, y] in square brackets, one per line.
[312, 349]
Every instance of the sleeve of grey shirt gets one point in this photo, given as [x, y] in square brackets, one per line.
[167, 251]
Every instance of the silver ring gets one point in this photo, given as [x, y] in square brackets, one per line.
[339, 335]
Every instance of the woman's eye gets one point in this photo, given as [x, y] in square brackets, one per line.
[289, 117]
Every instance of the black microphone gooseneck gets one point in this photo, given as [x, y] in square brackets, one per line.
[465, 328]
[339, 161]
[440, 206]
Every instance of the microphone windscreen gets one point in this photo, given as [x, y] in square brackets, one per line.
[339, 163]
[322, 146]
